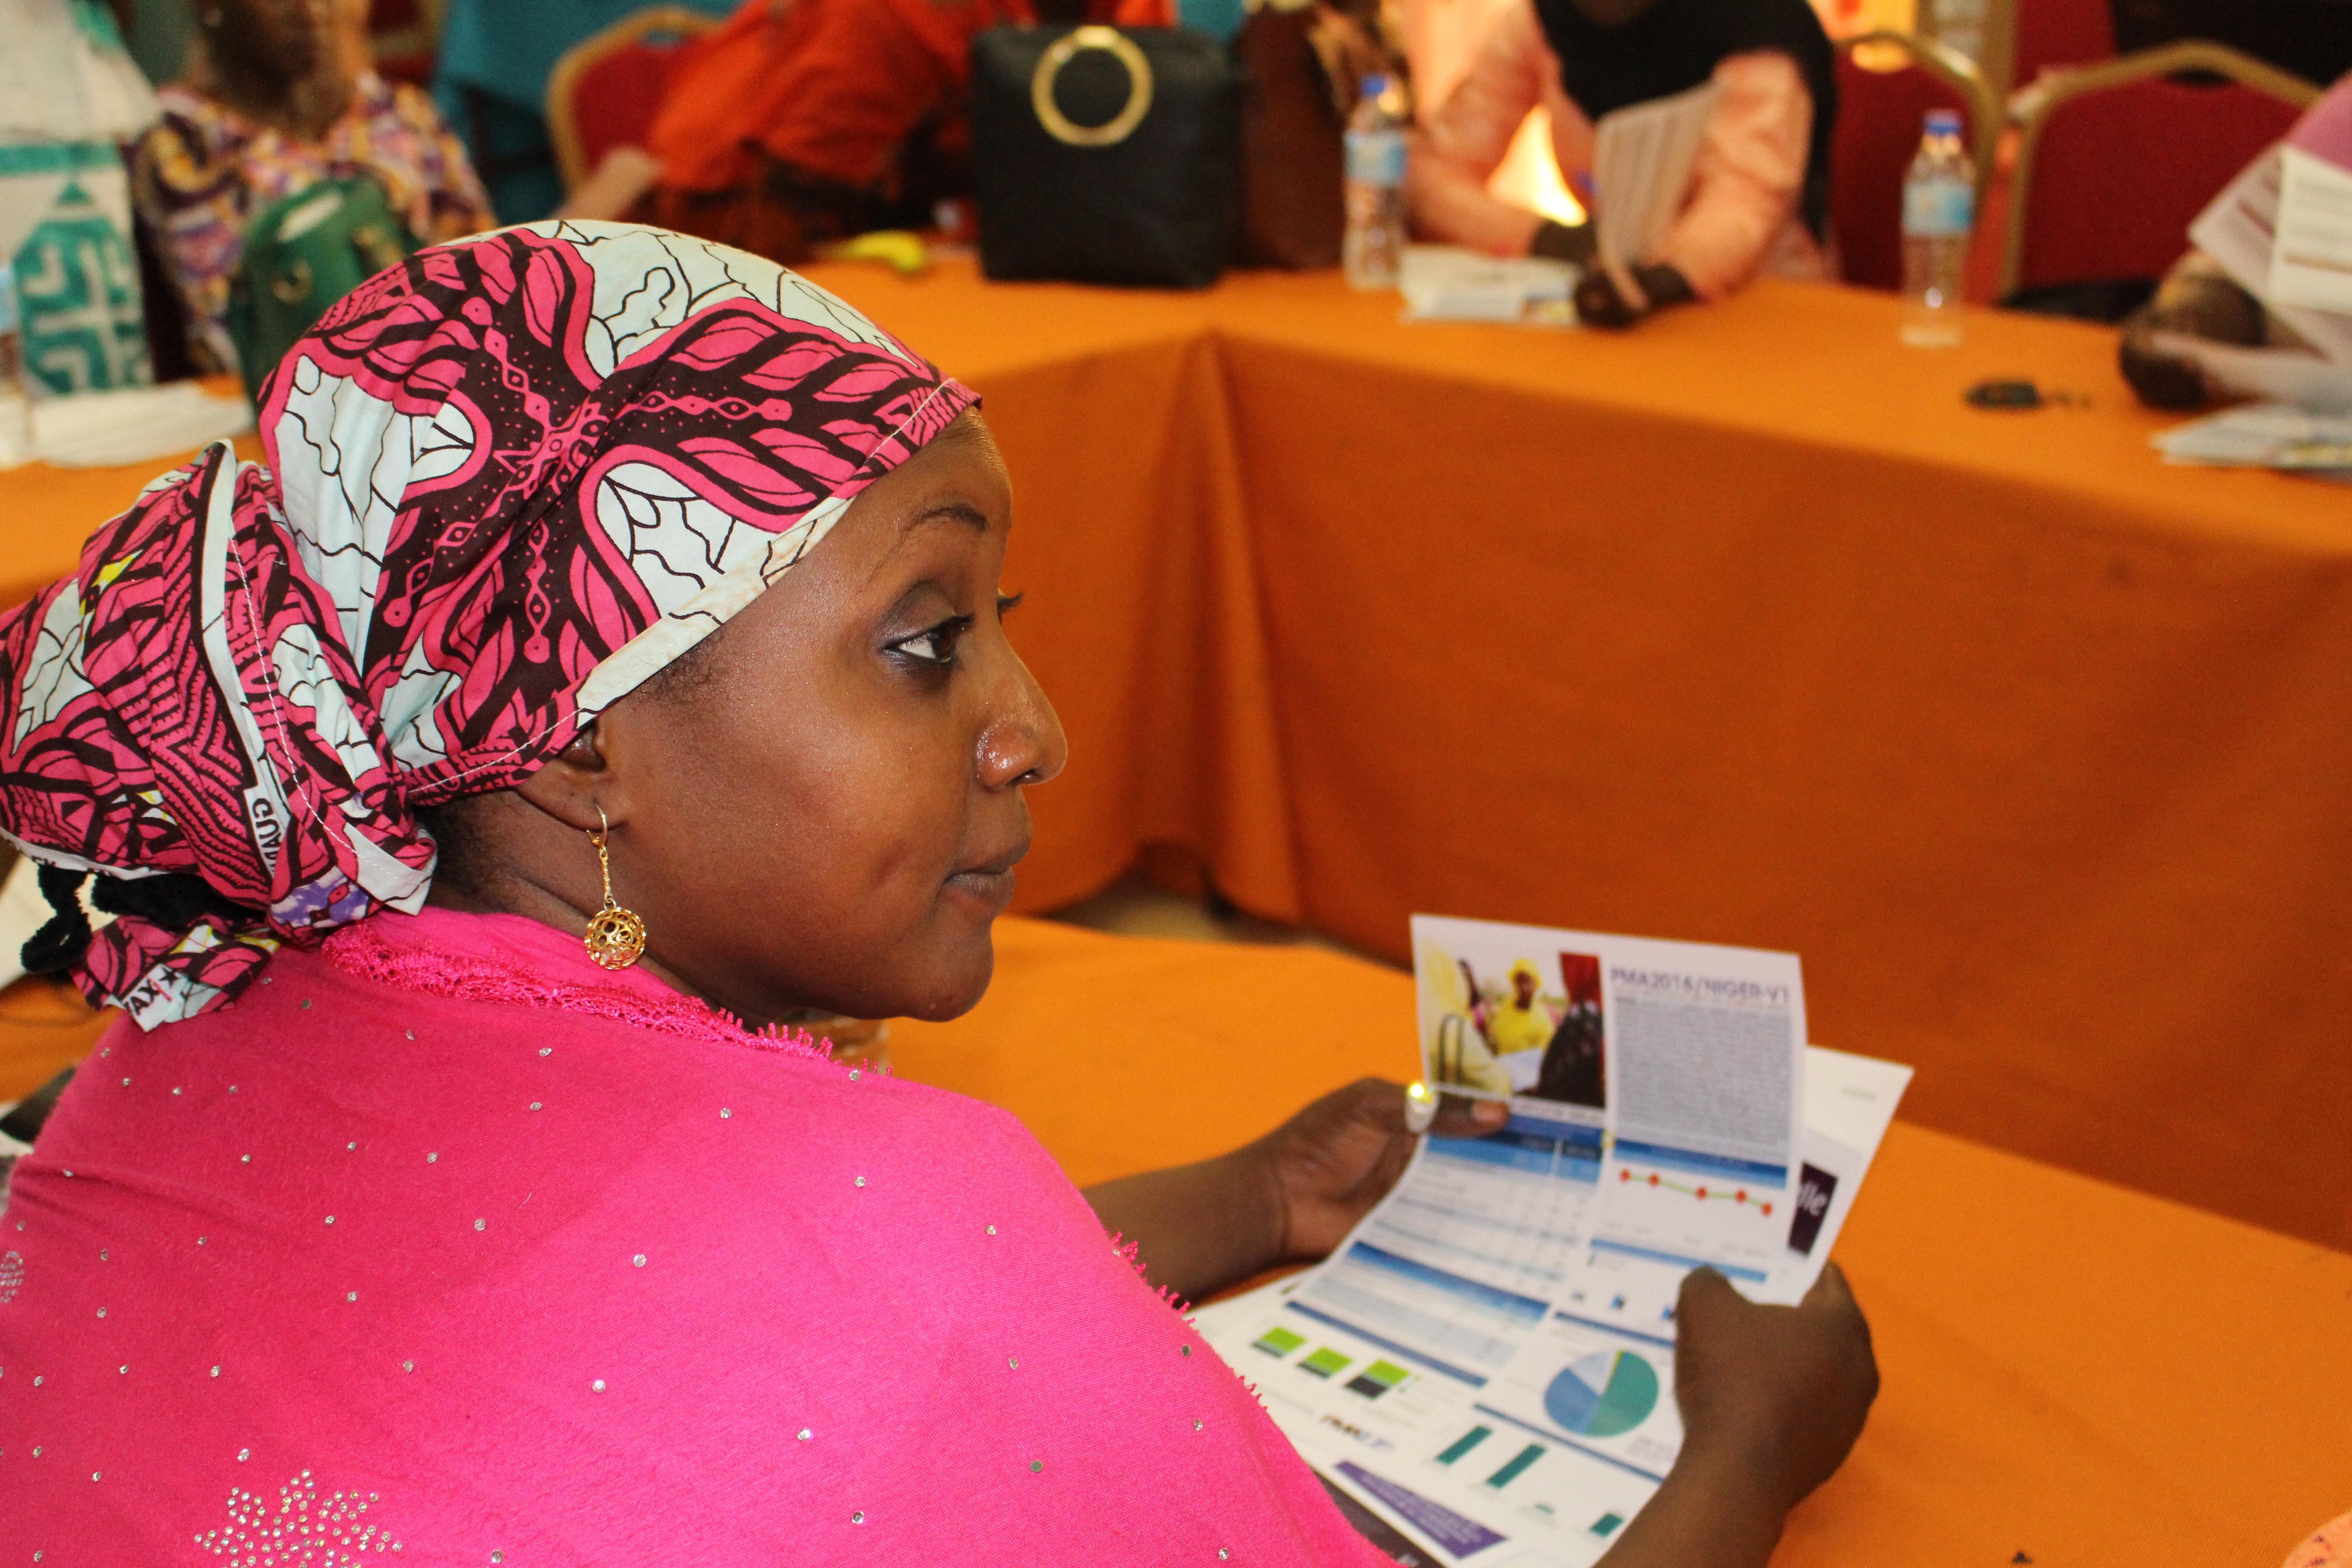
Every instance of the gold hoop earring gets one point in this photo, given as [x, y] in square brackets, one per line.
[616, 937]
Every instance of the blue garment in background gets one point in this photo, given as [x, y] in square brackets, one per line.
[491, 85]
[1221, 20]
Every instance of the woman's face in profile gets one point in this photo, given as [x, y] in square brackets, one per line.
[824, 811]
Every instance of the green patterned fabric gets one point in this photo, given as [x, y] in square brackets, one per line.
[57, 157]
[78, 285]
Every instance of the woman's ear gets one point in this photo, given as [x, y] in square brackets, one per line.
[574, 783]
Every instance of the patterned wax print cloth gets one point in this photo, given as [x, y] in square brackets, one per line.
[68, 95]
[445, 1248]
[204, 170]
[507, 481]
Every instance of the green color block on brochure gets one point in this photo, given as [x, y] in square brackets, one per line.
[1325, 1362]
[1277, 1341]
[1517, 1467]
[1465, 1442]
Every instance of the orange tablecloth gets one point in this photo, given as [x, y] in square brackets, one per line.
[1740, 627]
[2072, 1370]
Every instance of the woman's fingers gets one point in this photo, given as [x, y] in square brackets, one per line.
[1830, 1292]
[1461, 1116]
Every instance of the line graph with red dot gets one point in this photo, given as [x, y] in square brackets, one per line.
[1703, 1194]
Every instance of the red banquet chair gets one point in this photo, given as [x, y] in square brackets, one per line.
[606, 90]
[2058, 33]
[2115, 161]
[1886, 84]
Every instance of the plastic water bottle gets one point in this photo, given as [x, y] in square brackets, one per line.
[15, 409]
[1374, 249]
[1939, 202]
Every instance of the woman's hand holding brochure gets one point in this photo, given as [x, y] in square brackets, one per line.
[1772, 1399]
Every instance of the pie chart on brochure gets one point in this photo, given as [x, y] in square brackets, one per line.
[1602, 1394]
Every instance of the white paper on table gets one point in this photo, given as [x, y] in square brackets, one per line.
[1642, 158]
[1451, 283]
[2261, 435]
[1483, 1471]
[2311, 253]
[2276, 375]
[103, 429]
[2239, 229]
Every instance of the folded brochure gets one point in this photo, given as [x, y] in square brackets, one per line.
[1485, 1365]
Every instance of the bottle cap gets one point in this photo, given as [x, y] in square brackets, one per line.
[1943, 122]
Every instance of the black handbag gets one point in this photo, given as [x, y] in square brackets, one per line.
[1105, 154]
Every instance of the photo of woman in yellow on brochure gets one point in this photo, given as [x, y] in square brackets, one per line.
[1511, 1037]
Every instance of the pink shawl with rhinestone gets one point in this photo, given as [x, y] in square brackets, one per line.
[444, 1246]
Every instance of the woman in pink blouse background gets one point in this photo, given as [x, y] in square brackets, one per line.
[279, 96]
[1757, 196]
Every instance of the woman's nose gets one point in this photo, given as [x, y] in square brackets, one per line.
[1023, 744]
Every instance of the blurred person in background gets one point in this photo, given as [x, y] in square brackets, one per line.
[2199, 299]
[816, 120]
[1758, 193]
[279, 95]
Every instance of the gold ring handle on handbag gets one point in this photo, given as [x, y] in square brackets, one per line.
[1061, 52]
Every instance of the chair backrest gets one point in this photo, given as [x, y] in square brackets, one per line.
[2057, 33]
[1880, 116]
[2313, 38]
[2115, 161]
[606, 90]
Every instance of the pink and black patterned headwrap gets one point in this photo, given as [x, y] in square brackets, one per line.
[507, 481]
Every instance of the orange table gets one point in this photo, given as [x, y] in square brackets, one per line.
[1740, 627]
[2072, 1370]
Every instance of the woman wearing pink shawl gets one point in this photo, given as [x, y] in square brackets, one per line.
[402, 1220]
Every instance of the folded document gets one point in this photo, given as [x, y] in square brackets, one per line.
[1486, 1362]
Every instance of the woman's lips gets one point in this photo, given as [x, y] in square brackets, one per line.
[990, 882]
[990, 889]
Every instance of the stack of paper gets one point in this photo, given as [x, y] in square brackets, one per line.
[103, 429]
[1449, 283]
[2283, 231]
[2265, 436]
[1642, 159]
[1488, 1361]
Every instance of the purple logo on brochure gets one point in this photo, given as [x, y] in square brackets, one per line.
[1814, 1195]
[1448, 1529]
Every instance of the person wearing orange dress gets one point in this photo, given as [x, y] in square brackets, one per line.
[803, 121]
